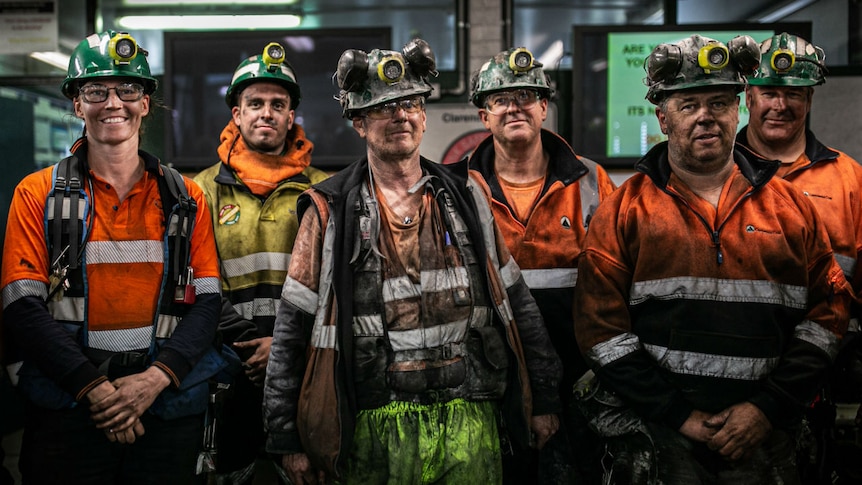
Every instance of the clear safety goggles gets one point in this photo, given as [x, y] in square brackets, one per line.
[498, 103]
[98, 93]
[386, 111]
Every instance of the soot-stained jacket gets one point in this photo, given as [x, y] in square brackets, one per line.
[309, 395]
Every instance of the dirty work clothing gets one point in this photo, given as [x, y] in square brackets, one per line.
[455, 442]
[254, 235]
[832, 181]
[309, 396]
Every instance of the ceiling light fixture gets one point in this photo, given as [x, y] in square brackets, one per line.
[208, 22]
[56, 59]
[150, 3]
[781, 11]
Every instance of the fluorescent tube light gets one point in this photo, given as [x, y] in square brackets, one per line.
[780, 12]
[172, 3]
[208, 22]
[56, 59]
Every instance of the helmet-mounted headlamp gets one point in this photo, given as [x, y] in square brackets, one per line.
[782, 60]
[697, 62]
[521, 60]
[793, 61]
[273, 56]
[368, 79]
[390, 69]
[512, 69]
[104, 55]
[713, 57]
[122, 48]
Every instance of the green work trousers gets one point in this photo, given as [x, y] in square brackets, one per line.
[453, 442]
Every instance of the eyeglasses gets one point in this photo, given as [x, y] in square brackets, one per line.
[97, 93]
[498, 103]
[387, 110]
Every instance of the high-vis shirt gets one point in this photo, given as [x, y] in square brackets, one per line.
[123, 273]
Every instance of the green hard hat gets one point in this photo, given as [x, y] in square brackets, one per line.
[699, 61]
[515, 68]
[381, 76]
[271, 66]
[107, 54]
[789, 60]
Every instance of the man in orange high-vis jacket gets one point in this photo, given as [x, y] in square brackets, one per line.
[779, 97]
[542, 196]
[710, 306]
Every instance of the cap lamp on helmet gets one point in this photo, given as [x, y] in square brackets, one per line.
[698, 62]
[508, 70]
[270, 66]
[792, 61]
[377, 77]
[107, 54]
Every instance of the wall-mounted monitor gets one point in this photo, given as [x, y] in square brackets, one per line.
[198, 70]
[612, 122]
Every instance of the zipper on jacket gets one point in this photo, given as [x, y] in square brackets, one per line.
[716, 239]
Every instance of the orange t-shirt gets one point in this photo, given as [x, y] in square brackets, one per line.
[522, 197]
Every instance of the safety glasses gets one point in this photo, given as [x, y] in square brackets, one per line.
[386, 111]
[97, 93]
[498, 103]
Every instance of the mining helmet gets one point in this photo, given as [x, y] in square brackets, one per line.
[511, 69]
[107, 54]
[789, 60]
[368, 79]
[697, 62]
[271, 66]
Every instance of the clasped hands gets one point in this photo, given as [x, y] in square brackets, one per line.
[732, 433]
[117, 406]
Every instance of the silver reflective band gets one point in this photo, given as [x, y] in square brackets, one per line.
[264, 261]
[549, 279]
[614, 348]
[712, 365]
[299, 296]
[124, 252]
[716, 289]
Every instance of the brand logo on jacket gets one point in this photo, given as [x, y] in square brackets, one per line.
[565, 222]
[751, 229]
[228, 215]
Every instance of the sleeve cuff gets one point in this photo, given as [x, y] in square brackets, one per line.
[283, 443]
[173, 364]
[82, 380]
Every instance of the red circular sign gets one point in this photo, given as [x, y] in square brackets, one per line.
[463, 146]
